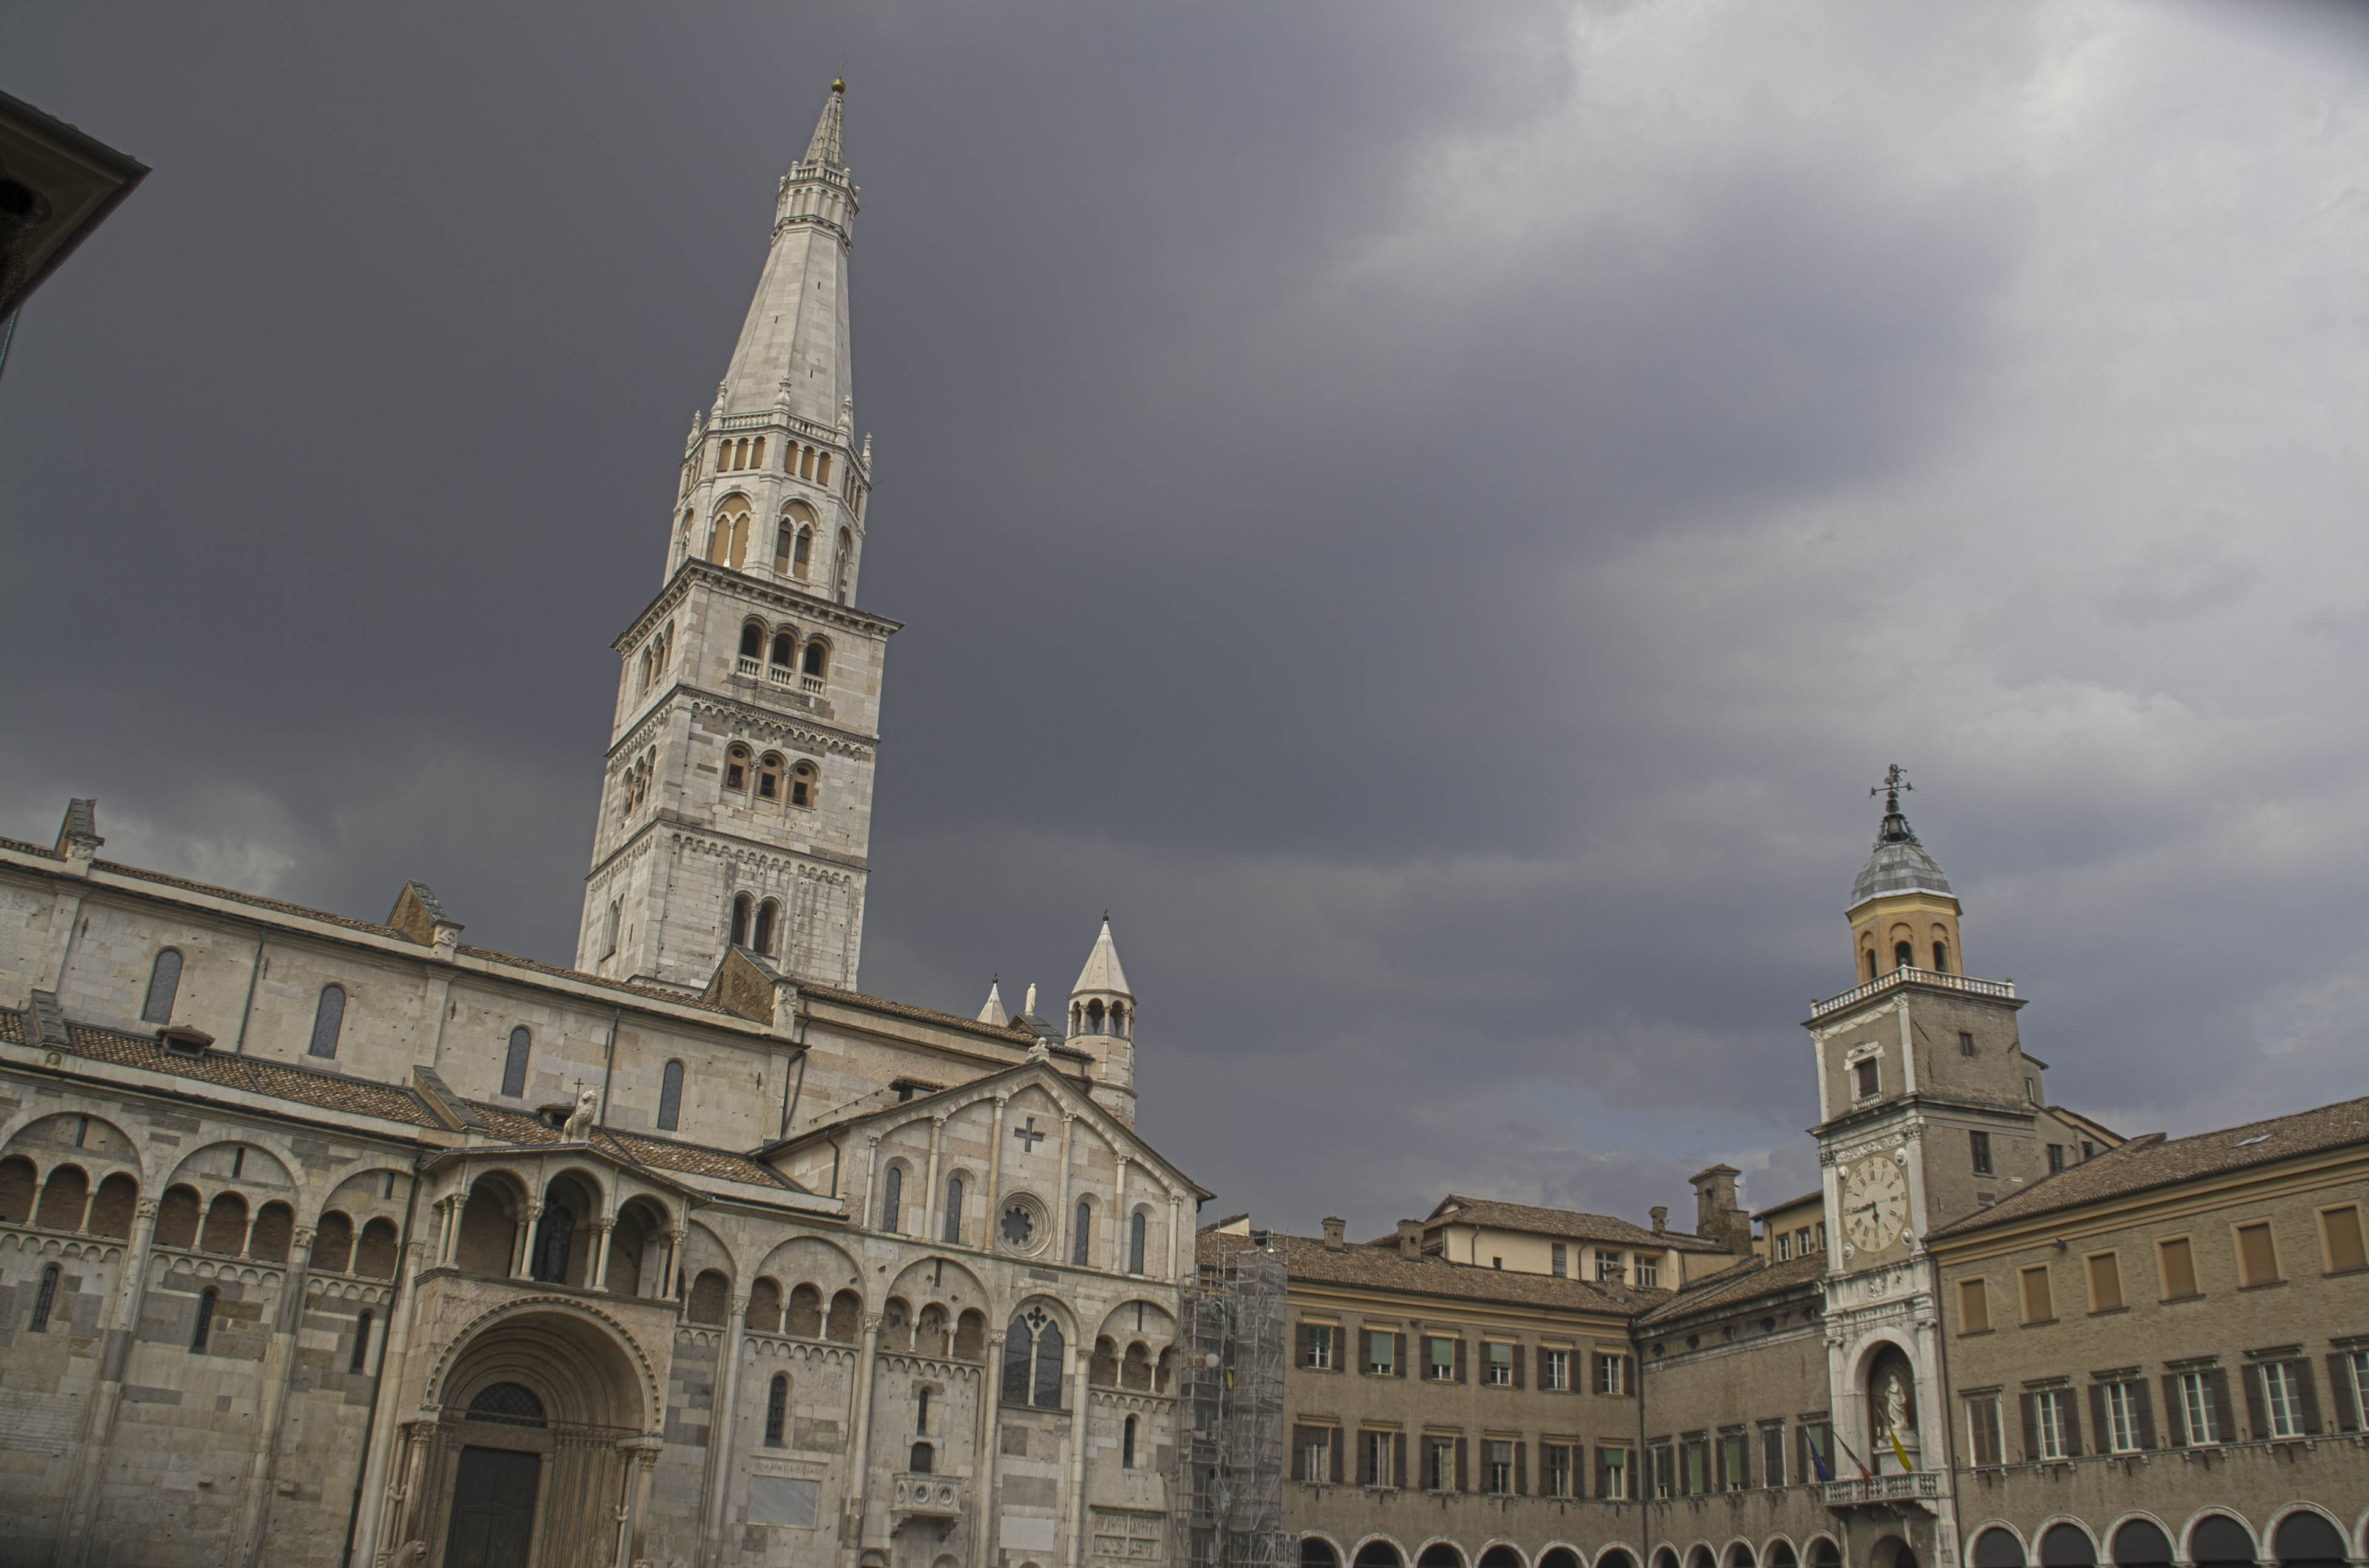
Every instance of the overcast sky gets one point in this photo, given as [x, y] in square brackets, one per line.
[1434, 516]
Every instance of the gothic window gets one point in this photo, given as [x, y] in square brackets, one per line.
[671, 1097]
[328, 1014]
[736, 769]
[892, 1199]
[804, 785]
[954, 1210]
[164, 979]
[728, 545]
[785, 650]
[1082, 1243]
[1032, 1360]
[769, 780]
[648, 665]
[514, 1064]
[801, 554]
[1134, 1238]
[205, 1324]
[777, 1410]
[767, 912]
[743, 906]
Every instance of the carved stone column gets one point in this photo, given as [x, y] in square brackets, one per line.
[98, 1410]
[931, 1199]
[1081, 1404]
[671, 1287]
[381, 1471]
[989, 1450]
[860, 1455]
[1065, 1218]
[723, 1426]
[633, 1515]
[522, 1247]
[600, 1281]
[278, 1367]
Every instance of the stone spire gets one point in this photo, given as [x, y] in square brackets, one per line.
[828, 143]
[1101, 1021]
[793, 343]
[1102, 974]
[993, 1012]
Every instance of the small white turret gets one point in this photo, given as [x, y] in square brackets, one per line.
[993, 1012]
[1101, 1021]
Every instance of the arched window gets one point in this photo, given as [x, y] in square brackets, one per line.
[803, 785]
[327, 1013]
[1118, 1018]
[752, 640]
[801, 554]
[1941, 959]
[205, 1327]
[954, 1210]
[766, 913]
[1082, 1241]
[1870, 962]
[785, 650]
[43, 1299]
[711, 1298]
[225, 1228]
[1904, 957]
[2304, 1540]
[743, 907]
[805, 461]
[736, 769]
[2140, 1544]
[769, 776]
[918, 1461]
[1126, 1446]
[822, 468]
[164, 979]
[1032, 1360]
[359, 1360]
[514, 1064]
[817, 662]
[553, 1242]
[1135, 1233]
[757, 454]
[615, 916]
[671, 1097]
[374, 1254]
[1095, 1017]
[892, 1199]
[333, 1244]
[777, 1408]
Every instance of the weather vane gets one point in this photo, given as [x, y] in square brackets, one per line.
[1895, 783]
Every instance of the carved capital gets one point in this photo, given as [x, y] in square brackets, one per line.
[303, 1238]
[145, 1209]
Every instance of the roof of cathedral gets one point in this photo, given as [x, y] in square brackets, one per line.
[1899, 863]
[1103, 971]
[2154, 1160]
[279, 1081]
[1745, 1280]
[1381, 1267]
[636, 1148]
[1561, 1222]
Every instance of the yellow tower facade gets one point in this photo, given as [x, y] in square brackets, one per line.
[1903, 915]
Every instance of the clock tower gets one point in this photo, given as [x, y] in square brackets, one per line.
[1928, 1110]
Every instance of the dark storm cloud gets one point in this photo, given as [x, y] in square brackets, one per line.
[1431, 517]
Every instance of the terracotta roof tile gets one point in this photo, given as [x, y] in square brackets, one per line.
[2154, 1160]
[1385, 1268]
[301, 1086]
[1455, 1210]
[1747, 1279]
[250, 899]
[637, 1149]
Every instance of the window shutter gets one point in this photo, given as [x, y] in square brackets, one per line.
[1517, 1370]
[2340, 1383]
[1299, 1453]
[1398, 1370]
[2175, 1413]
[1542, 1367]
[2145, 1402]
[2311, 1428]
[2258, 1423]
[1339, 1459]
[1717, 1464]
[2030, 1426]
[1366, 1460]
[2223, 1421]
[2072, 1427]
[1603, 1474]
[1521, 1469]
[1460, 1378]
[1398, 1459]
[1463, 1482]
[2098, 1424]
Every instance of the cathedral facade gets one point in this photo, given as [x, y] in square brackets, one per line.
[329, 1241]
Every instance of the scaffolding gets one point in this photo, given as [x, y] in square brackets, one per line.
[1231, 1413]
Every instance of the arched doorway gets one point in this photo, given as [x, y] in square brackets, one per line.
[1996, 1547]
[1315, 1551]
[2219, 1541]
[531, 1457]
[1440, 1554]
[2303, 1539]
[1616, 1558]
[1378, 1555]
[2141, 1543]
[1501, 1557]
[2067, 1546]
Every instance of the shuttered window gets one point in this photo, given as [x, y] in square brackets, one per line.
[2258, 1255]
[1973, 1306]
[1983, 1437]
[2105, 1282]
[2039, 1304]
[2340, 1230]
[2176, 1263]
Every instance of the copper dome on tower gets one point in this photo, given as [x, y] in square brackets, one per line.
[1899, 863]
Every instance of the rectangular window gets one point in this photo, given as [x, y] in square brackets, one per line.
[1649, 1270]
[1315, 1453]
[2198, 1416]
[1439, 1464]
[1966, 1043]
[1735, 1462]
[1560, 1264]
[1821, 1236]
[1319, 1346]
[1817, 1450]
[1867, 1078]
[1501, 1368]
[1973, 1306]
[1612, 1375]
[2052, 1408]
[1697, 1467]
[1499, 1475]
[2258, 1257]
[1612, 1474]
[1607, 1268]
[1982, 1149]
[1664, 1469]
[2105, 1282]
[1554, 1370]
[2122, 1424]
[1782, 1244]
[1381, 1344]
[2056, 1157]
[1377, 1458]
[2039, 1304]
[2283, 1394]
[1983, 1437]
[2339, 1239]
[1772, 1453]
[1441, 1354]
[2352, 1369]
[1554, 1469]
[2176, 1265]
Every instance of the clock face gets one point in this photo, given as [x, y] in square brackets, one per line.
[1875, 1203]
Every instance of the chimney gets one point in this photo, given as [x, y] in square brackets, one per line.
[1718, 1216]
[1661, 1213]
[1410, 1238]
[1334, 1241]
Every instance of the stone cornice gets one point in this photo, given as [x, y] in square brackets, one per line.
[790, 600]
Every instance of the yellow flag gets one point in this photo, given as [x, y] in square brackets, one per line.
[1897, 1451]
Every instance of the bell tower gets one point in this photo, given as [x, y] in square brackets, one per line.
[736, 809]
